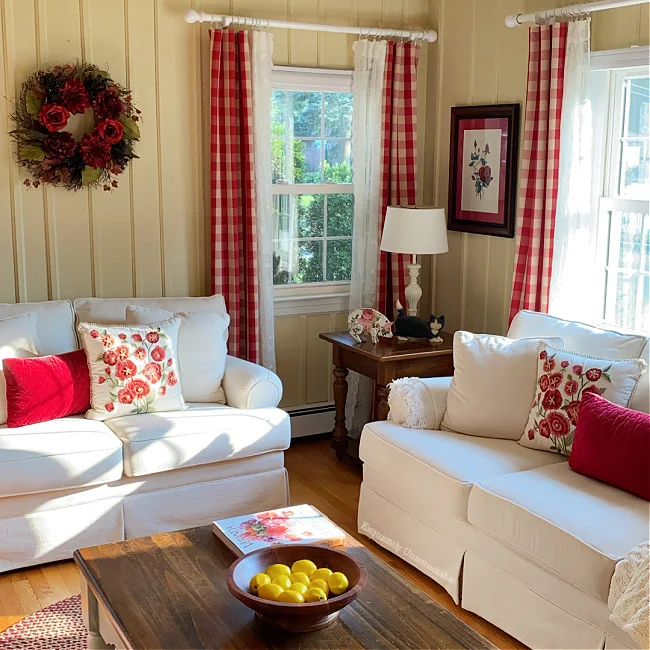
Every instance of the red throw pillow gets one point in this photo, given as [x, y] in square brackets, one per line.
[46, 388]
[612, 444]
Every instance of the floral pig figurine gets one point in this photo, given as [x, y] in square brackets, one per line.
[369, 321]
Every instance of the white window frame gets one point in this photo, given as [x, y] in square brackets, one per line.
[317, 297]
[611, 68]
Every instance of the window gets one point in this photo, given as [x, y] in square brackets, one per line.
[623, 211]
[313, 199]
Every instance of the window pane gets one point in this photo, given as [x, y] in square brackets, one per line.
[338, 161]
[310, 213]
[310, 262]
[637, 109]
[306, 161]
[340, 213]
[306, 112]
[629, 256]
[339, 260]
[338, 115]
[632, 301]
[635, 169]
[279, 113]
[278, 161]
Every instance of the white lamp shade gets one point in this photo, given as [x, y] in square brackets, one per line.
[416, 231]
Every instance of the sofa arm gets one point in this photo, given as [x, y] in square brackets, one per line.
[249, 386]
[418, 403]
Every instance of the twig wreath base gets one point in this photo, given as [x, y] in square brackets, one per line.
[74, 127]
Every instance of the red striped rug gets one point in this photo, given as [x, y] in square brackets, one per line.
[57, 627]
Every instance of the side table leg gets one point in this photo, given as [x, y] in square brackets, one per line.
[340, 440]
[382, 402]
[90, 614]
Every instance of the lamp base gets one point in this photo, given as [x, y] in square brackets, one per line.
[413, 291]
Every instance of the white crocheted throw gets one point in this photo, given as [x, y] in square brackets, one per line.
[629, 594]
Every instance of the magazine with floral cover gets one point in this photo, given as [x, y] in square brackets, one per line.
[292, 525]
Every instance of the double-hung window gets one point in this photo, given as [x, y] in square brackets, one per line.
[622, 116]
[313, 201]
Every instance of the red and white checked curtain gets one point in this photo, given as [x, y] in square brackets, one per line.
[540, 168]
[399, 160]
[234, 261]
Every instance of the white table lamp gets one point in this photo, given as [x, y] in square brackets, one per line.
[414, 231]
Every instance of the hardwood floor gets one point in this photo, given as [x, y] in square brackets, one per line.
[316, 477]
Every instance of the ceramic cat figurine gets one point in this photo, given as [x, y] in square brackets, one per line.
[412, 327]
[369, 321]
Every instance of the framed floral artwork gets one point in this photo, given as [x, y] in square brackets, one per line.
[483, 169]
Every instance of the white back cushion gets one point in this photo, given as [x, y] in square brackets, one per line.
[54, 323]
[112, 311]
[589, 340]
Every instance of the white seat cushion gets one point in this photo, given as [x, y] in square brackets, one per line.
[56, 455]
[569, 523]
[427, 471]
[203, 433]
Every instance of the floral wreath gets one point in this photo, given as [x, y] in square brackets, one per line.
[74, 127]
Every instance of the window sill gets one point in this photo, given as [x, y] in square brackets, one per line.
[312, 299]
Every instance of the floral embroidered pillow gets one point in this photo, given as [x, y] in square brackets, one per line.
[562, 379]
[133, 369]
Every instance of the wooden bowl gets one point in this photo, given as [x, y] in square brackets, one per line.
[296, 617]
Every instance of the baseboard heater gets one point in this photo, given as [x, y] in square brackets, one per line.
[317, 421]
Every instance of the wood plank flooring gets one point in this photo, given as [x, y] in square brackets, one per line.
[316, 477]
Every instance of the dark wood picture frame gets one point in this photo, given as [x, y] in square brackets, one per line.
[476, 118]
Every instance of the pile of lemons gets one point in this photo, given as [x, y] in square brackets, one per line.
[304, 582]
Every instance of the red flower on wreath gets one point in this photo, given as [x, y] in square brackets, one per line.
[571, 387]
[60, 145]
[544, 383]
[140, 354]
[555, 379]
[109, 406]
[172, 379]
[125, 370]
[95, 151]
[543, 354]
[94, 334]
[153, 337]
[549, 365]
[137, 338]
[125, 396]
[139, 387]
[577, 369]
[572, 409]
[152, 372]
[544, 429]
[74, 96]
[110, 130]
[158, 353]
[122, 352]
[53, 117]
[594, 374]
[552, 399]
[558, 423]
[110, 357]
[592, 389]
[108, 104]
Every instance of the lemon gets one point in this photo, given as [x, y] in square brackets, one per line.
[319, 583]
[300, 587]
[338, 583]
[290, 596]
[258, 580]
[321, 574]
[303, 566]
[278, 570]
[270, 591]
[300, 577]
[314, 594]
[281, 580]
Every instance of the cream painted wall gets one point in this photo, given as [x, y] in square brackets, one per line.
[481, 61]
[148, 238]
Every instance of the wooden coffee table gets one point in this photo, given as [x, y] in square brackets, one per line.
[169, 591]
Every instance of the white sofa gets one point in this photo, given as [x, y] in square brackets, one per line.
[513, 534]
[74, 482]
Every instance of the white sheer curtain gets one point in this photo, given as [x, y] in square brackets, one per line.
[574, 256]
[261, 66]
[367, 86]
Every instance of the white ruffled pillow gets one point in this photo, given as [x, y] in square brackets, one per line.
[418, 403]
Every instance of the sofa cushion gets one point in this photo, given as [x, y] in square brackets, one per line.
[203, 433]
[569, 523]
[112, 311]
[55, 323]
[57, 455]
[592, 341]
[427, 472]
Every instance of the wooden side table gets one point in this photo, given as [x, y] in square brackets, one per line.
[387, 360]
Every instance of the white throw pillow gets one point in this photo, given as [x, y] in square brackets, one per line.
[493, 385]
[562, 379]
[202, 349]
[18, 340]
[133, 369]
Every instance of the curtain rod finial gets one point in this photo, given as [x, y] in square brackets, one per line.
[512, 20]
[192, 16]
